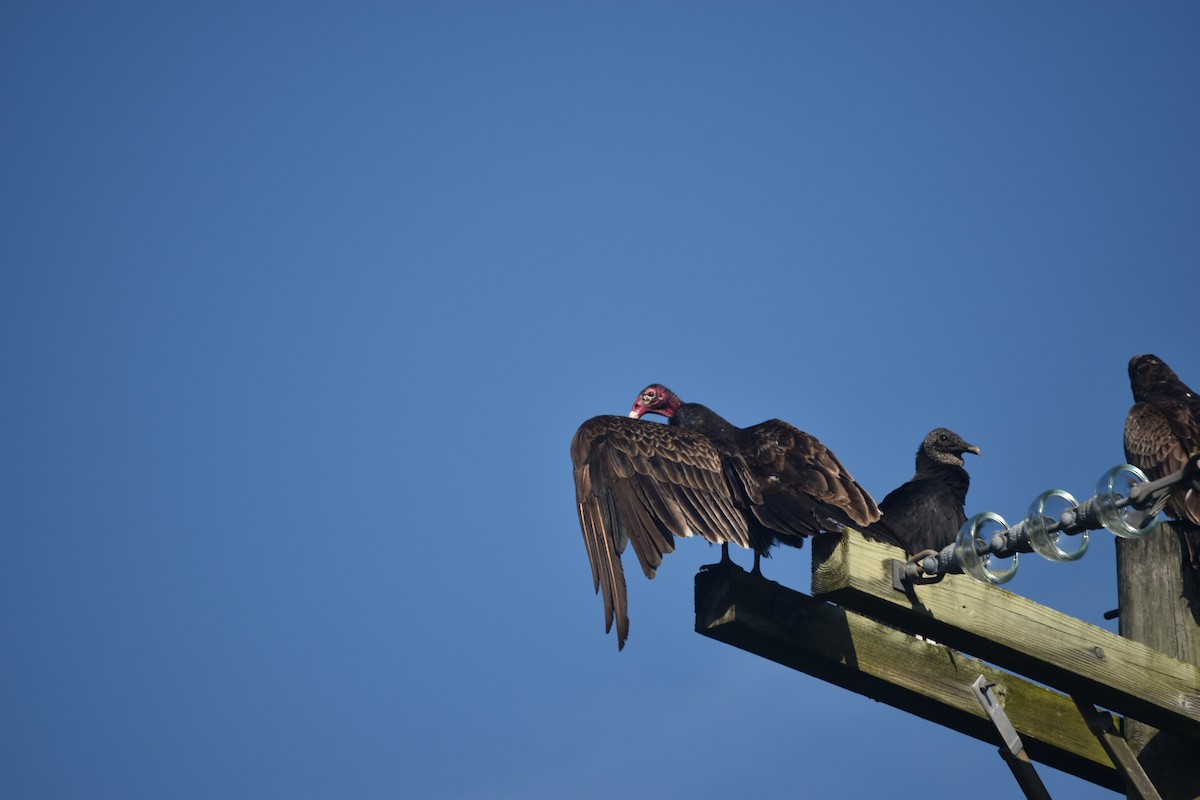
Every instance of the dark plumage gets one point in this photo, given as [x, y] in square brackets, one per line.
[1162, 431]
[644, 483]
[926, 513]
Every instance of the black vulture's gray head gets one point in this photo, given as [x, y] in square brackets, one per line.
[946, 447]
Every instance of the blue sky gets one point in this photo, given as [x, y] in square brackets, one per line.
[302, 303]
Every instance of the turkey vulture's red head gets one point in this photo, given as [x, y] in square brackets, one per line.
[656, 399]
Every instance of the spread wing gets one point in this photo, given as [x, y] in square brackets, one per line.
[804, 487]
[644, 483]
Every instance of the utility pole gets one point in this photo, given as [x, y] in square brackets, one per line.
[910, 645]
[1160, 607]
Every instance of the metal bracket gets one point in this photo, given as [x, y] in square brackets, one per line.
[902, 581]
[982, 689]
[1148, 494]
[1137, 783]
[1013, 750]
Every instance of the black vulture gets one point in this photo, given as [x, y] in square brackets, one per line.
[644, 483]
[926, 513]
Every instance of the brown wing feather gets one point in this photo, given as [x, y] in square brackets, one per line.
[644, 483]
[1158, 441]
[608, 576]
[803, 484]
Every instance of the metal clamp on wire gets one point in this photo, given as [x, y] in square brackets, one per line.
[1154, 494]
[1132, 516]
[910, 573]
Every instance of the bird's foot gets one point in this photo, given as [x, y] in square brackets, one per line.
[725, 561]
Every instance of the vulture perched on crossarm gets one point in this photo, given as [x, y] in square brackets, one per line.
[643, 483]
[927, 512]
[1162, 431]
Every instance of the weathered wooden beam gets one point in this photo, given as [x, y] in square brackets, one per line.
[872, 659]
[1014, 633]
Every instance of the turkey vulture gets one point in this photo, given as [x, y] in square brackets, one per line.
[926, 513]
[1161, 432]
[643, 483]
